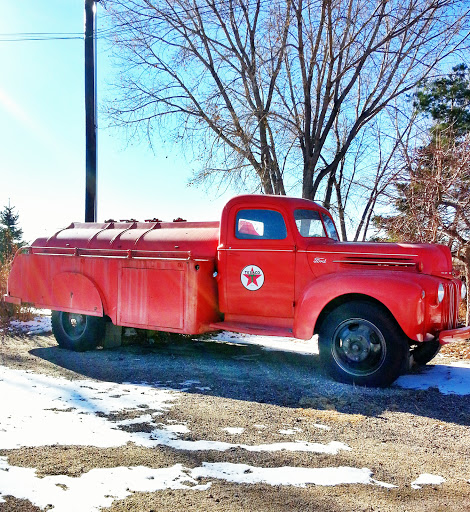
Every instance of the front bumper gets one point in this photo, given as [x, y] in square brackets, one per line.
[461, 334]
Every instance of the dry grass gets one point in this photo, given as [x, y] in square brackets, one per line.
[458, 349]
[9, 311]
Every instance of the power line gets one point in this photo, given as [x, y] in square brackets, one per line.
[46, 36]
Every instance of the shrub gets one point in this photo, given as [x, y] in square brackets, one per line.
[9, 311]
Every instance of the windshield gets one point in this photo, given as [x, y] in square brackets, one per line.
[308, 223]
[330, 227]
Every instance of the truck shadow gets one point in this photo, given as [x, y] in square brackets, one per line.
[253, 373]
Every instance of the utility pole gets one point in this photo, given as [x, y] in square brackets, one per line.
[90, 111]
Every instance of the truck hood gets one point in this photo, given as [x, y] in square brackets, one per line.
[432, 259]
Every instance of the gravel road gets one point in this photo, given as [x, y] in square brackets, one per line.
[271, 397]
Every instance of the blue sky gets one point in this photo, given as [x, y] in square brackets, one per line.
[42, 134]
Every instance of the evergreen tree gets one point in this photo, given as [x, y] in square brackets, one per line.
[447, 101]
[10, 232]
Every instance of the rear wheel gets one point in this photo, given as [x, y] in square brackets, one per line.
[360, 343]
[77, 332]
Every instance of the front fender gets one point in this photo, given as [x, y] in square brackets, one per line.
[400, 293]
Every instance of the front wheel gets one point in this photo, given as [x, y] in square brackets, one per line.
[425, 352]
[361, 344]
[77, 332]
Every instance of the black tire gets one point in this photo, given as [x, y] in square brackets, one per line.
[360, 343]
[77, 332]
[425, 352]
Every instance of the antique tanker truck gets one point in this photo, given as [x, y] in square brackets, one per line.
[273, 266]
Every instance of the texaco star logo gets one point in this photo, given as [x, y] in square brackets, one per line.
[252, 277]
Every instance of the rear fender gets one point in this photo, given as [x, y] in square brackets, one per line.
[400, 294]
[76, 293]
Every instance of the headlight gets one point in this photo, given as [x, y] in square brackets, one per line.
[463, 291]
[440, 293]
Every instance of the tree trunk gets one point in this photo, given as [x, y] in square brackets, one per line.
[467, 281]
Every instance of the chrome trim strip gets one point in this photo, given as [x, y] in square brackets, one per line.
[258, 250]
[373, 254]
[372, 262]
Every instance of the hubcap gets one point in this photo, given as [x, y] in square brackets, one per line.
[73, 324]
[358, 347]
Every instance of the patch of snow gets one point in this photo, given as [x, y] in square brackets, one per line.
[189, 383]
[101, 486]
[177, 429]
[40, 410]
[93, 490]
[321, 427]
[290, 431]
[234, 430]
[427, 479]
[299, 477]
[40, 324]
[453, 378]
[145, 418]
[271, 342]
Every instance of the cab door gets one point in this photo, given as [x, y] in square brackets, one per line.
[259, 265]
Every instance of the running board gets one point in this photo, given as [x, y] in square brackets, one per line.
[264, 330]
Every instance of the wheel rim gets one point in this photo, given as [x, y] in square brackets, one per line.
[74, 325]
[359, 347]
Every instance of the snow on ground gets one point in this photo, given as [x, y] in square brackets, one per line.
[75, 413]
[271, 342]
[41, 410]
[427, 479]
[449, 378]
[40, 324]
[100, 487]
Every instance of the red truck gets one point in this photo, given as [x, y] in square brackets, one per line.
[273, 265]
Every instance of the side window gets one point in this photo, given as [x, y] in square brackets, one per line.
[308, 223]
[330, 228]
[260, 225]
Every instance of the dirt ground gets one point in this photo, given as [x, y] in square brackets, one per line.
[398, 434]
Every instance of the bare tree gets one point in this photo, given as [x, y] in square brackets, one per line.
[208, 70]
[352, 60]
[259, 86]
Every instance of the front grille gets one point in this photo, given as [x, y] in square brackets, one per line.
[451, 314]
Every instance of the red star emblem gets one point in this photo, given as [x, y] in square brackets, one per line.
[252, 277]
